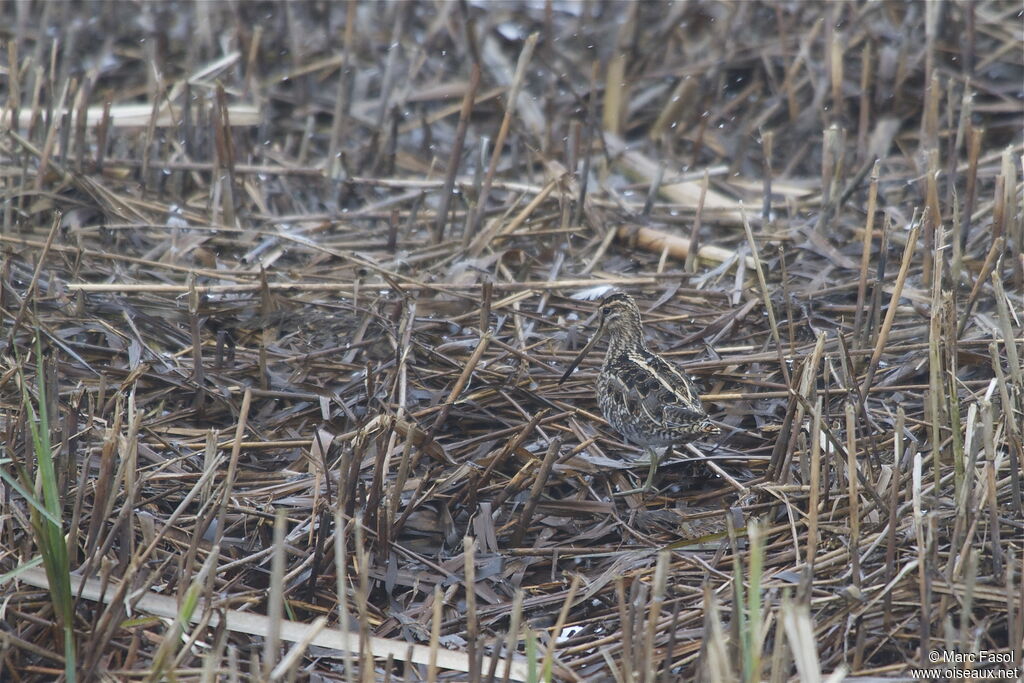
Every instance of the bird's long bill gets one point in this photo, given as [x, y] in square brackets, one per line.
[583, 353]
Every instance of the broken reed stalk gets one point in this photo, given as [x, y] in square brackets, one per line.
[472, 632]
[460, 384]
[510, 447]
[499, 142]
[30, 291]
[864, 108]
[974, 151]
[289, 664]
[397, 284]
[694, 247]
[1006, 328]
[625, 625]
[752, 637]
[923, 580]
[539, 482]
[890, 313]
[1009, 406]
[991, 259]
[341, 589]
[931, 219]
[512, 640]
[767, 145]
[485, 306]
[342, 101]
[716, 660]
[787, 301]
[865, 255]
[435, 633]
[362, 595]
[654, 608]
[275, 599]
[229, 480]
[583, 175]
[766, 297]
[563, 615]
[456, 152]
[815, 485]
[894, 494]
[935, 406]
[198, 374]
[853, 495]
[395, 493]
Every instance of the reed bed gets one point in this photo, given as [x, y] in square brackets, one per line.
[286, 291]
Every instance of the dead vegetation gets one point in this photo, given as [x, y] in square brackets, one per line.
[287, 288]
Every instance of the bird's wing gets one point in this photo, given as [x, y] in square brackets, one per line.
[668, 403]
[680, 403]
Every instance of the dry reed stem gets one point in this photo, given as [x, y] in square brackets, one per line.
[678, 247]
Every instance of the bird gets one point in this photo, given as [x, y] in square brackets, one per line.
[641, 395]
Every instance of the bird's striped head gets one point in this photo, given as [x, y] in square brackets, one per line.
[620, 316]
[620, 319]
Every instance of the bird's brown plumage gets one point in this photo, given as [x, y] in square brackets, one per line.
[642, 396]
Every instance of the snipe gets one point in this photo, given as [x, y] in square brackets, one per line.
[641, 395]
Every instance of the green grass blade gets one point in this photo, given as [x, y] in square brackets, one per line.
[46, 515]
[33, 502]
[34, 562]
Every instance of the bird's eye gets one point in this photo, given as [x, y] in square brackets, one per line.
[607, 310]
